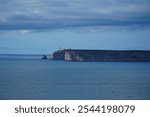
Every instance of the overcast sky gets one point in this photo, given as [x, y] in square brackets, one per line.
[41, 26]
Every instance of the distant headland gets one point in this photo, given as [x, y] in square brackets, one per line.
[102, 55]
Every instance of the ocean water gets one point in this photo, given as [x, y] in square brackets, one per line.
[38, 79]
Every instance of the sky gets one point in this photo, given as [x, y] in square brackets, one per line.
[42, 26]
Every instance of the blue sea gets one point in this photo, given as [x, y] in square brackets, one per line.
[31, 78]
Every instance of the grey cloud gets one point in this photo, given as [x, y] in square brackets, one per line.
[65, 14]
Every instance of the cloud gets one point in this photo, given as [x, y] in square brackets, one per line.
[78, 14]
[24, 31]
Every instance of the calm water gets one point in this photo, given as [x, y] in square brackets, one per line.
[48, 79]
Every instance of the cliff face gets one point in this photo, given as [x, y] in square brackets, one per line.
[101, 55]
[59, 55]
[73, 56]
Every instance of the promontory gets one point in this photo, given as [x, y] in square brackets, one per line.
[102, 55]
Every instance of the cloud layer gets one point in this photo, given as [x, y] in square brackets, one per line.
[67, 14]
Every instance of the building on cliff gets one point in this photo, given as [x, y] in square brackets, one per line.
[102, 55]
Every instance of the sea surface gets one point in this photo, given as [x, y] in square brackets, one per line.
[25, 78]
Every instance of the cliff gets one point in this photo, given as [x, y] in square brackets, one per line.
[59, 55]
[102, 55]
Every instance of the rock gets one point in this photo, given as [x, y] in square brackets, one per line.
[44, 57]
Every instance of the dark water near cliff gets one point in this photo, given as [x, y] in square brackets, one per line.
[48, 79]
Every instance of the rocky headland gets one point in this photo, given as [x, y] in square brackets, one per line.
[102, 55]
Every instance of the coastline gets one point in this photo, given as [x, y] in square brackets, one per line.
[102, 55]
